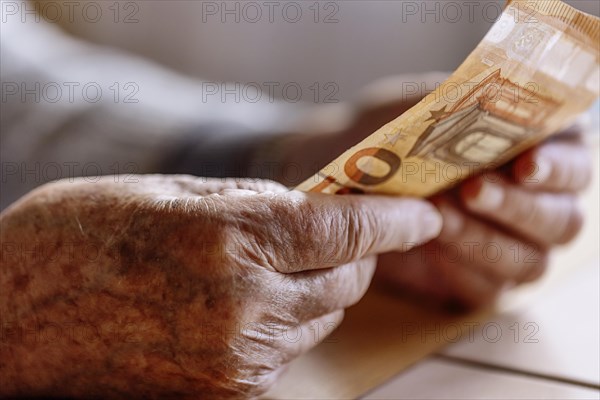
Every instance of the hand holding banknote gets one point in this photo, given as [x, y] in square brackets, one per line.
[498, 226]
[534, 72]
[498, 229]
[176, 286]
[179, 287]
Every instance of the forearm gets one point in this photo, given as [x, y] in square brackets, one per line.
[114, 112]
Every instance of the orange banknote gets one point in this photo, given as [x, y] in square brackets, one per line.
[535, 71]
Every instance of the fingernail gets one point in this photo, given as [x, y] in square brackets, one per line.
[541, 170]
[489, 198]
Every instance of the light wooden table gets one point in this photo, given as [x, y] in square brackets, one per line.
[388, 348]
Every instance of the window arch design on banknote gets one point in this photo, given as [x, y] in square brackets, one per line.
[487, 122]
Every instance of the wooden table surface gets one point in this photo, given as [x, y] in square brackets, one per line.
[547, 346]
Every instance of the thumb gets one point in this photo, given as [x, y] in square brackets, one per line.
[308, 231]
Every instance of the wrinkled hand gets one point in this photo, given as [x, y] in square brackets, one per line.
[182, 287]
[498, 228]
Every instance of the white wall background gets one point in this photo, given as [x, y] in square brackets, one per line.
[370, 39]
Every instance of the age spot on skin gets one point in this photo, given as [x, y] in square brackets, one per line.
[21, 281]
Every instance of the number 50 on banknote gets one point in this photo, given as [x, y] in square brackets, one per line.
[535, 71]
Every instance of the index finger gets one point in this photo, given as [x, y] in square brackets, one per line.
[564, 166]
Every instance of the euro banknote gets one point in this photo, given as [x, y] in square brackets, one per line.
[533, 73]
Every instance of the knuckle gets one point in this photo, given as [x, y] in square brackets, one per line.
[584, 173]
[535, 268]
[572, 167]
[293, 301]
[250, 233]
[516, 206]
[341, 286]
[357, 229]
[301, 227]
[317, 234]
[348, 230]
[573, 225]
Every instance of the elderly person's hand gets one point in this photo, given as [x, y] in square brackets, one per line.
[498, 228]
[180, 287]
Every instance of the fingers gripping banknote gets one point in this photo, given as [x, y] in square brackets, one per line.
[535, 71]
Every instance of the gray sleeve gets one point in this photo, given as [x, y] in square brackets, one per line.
[70, 108]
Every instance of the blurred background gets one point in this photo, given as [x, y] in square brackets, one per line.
[333, 47]
[155, 80]
[350, 43]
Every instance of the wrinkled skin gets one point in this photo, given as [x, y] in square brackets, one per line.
[185, 287]
[173, 286]
[492, 239]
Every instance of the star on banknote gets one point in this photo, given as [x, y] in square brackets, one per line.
[437, 115]
[393, 138]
